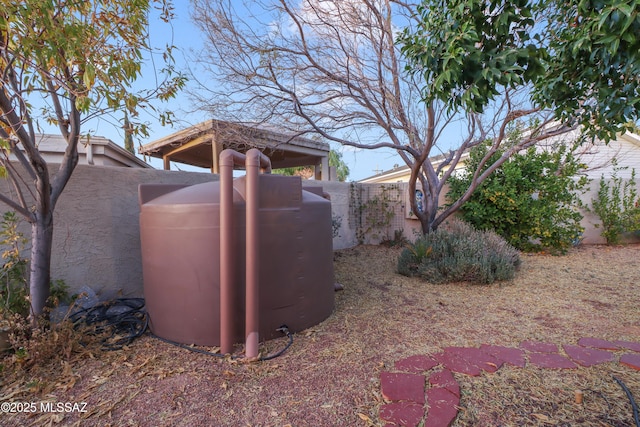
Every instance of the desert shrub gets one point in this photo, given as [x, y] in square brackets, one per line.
[618, 207]
[532, 200]
[459, 252]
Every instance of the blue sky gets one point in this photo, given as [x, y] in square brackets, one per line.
[188, 40]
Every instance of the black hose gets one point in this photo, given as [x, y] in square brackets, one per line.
[634, 405]
[188, 347]
[284, 329]
[125, 319]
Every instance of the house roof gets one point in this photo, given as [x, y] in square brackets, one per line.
[95, 150]
[398, 172]
[598, 157]
[402, 173]
[200, 145]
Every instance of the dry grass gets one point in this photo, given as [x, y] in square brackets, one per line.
[543, 397]
[330, 376]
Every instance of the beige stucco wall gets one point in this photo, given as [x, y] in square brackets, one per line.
[97, 232]
[410, 226]
[96, 227]
[339, 193]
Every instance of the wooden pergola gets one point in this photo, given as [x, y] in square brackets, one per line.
[201, 145]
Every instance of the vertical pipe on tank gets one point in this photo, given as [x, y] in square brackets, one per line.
[254, 162]
[228, 159]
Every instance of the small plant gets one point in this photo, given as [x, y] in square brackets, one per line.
[413, 256]
[13, 273]
[459, 252]
[618, 207]
[21, 355]
[59, 293]
[336, 223]
[399, 239]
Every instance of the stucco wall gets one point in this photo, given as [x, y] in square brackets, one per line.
[97, 231]
[339, 193]
[96, 227]
[590, 222]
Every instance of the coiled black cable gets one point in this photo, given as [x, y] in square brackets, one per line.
[285, 330]
[122, 320]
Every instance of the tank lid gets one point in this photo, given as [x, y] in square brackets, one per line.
[207, 192]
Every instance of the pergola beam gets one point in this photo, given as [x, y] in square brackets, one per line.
[201, 145]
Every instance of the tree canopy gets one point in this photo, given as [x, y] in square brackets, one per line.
[469, 52]
[335, 160]
[593, 71]
[580, 58]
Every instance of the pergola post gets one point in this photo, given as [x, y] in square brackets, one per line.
[216, 149]
[322, 169]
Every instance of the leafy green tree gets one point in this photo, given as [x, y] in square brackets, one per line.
[592, 66]
[531, 200]
[342, 170]
[469, 52]
[576, 59]
[582, 57]
[63, 63]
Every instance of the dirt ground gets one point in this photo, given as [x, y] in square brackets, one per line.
[330, 375]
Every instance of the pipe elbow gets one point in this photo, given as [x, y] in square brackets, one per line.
[255, 158]
[232, 158]
[227, 158]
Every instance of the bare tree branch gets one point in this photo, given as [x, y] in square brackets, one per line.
[333, 68]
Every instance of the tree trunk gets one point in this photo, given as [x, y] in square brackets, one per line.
[428, 215]
[431, 211]
[40, 273]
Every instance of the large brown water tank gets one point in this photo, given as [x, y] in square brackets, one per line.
[180, 238]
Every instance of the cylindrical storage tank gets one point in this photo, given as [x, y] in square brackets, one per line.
[317, 259]
[296, 271]
[180, 239]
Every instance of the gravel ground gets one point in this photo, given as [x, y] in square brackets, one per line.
[330, 375]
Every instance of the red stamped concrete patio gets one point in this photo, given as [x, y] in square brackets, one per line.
[422, 388]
